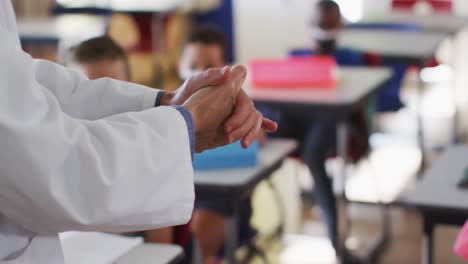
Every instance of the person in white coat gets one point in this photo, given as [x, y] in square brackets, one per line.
[102, 155]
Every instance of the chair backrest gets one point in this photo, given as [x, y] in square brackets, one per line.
[438, 6]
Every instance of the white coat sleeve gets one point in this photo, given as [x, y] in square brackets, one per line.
[82, 98]
[78, 96]
[126, 172]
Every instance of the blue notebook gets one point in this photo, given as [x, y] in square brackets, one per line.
[228, 157]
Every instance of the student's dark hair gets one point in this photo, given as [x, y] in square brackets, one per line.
[328, 5]
[98, 49]
[207, 35]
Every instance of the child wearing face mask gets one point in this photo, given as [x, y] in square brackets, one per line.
[317, 137]
[326, 28]
[327, 24]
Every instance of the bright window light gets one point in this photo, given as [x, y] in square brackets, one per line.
[353, 10]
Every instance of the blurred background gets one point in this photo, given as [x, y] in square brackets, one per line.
[154, 31]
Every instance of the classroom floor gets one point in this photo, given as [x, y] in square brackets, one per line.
[392, 167]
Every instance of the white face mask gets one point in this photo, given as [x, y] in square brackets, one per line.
[186, 73]
[324, 35]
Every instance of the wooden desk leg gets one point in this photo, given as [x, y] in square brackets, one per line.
[428, 240]
[342, 149]
[231, 235]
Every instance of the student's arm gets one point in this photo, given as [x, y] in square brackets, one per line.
[126, 172]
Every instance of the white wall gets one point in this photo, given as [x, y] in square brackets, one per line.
[269, 28]
[461, 7]
[377, 6]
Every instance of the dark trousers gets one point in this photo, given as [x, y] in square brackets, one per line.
[317, 140]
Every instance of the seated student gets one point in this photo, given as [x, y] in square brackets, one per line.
[205, 49]
[101, 57]
[326, 31]
[318, 137]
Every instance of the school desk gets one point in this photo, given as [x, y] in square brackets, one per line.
[62, 31]
[153, 254]
[398, 47]
[438, 197]
[101, 248]
[356, 85]
[238, 183]
[439, 23]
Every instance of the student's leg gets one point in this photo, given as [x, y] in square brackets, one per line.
[208, 225]
[162, 235]
[319, 140]
[208, 228]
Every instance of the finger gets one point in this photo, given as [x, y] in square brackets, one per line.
[253, 133]
[269, 125]
[243, 129]
[237, 78]
[211, 77]
[244, 106]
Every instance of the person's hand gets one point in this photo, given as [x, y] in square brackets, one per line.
[211, 106]
[246, 122]
[211, 77]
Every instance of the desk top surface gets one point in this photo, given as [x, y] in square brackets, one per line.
[65, 27]
[154, 254]
[443, 23]
[80, 247]
[125, 6]
[392, 43]
[438, 188]
[269, 155]
[354, 84]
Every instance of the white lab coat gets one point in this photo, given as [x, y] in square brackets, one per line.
[82, 155]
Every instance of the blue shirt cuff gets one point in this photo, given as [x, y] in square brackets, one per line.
[191, 128]
[159, 98]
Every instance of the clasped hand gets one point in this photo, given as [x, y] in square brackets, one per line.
[221, 110]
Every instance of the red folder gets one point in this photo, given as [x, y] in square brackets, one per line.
[318, 72]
